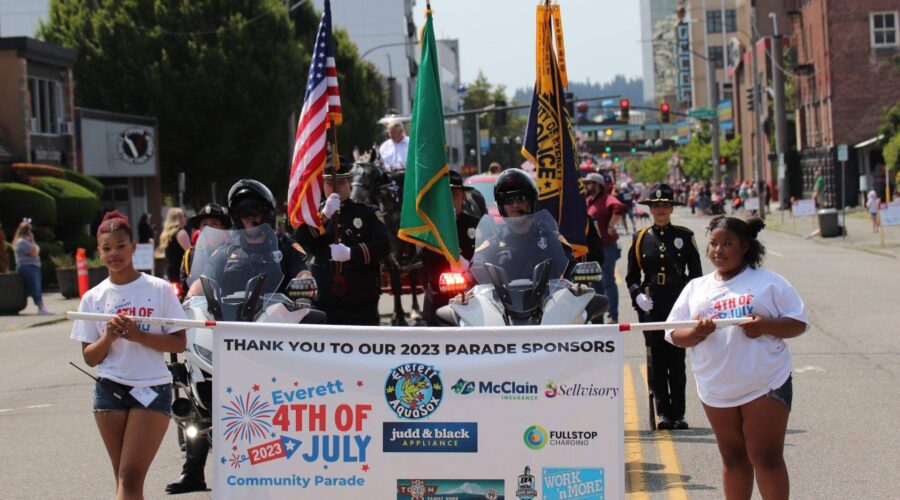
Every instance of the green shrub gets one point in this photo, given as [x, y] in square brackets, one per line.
[49, 251]
[63, 261]
[74, 204]
[19, 200]
[85, 181]
[85, 241]
[11, 256]
[43, 233]
[50, 248]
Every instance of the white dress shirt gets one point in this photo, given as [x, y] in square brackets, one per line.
[393, 154]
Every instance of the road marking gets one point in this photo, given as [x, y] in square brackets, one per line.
[773, 252]
[634, 460]
[29, 407]
[671, 471]
[810, 368]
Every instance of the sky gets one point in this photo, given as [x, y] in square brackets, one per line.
[602, 38]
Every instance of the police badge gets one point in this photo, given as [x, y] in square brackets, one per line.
[679, 243]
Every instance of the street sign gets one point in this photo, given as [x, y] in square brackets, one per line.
[842, 152]
[702, 113]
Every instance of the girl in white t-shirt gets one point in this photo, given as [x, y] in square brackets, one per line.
[743, 372]
[133, 398]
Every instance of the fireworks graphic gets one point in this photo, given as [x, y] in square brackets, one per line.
[236, 460]
[246, 418]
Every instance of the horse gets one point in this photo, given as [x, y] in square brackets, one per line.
[372, 186]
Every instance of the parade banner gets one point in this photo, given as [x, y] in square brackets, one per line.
[355, 412]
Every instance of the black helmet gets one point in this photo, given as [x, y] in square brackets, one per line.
[211, 211]
[248, 196]
[511, 184]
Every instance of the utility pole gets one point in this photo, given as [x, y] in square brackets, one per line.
[757, 110]
[712, 88]
[478, 142]
[780, 120]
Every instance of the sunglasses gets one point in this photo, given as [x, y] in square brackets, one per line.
[515, 198]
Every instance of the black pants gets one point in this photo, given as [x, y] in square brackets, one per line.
[362, 315]
[667, 376]
[431, 302]
[195, 452]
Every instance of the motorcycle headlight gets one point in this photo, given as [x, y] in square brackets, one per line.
[204, 353]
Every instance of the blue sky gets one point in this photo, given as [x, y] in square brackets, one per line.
[497, 37]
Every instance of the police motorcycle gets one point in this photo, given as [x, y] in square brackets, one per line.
[523, 277]
[233, 289]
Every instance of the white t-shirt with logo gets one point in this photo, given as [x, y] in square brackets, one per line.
[732, 369]
[393, 154]
[128, 362]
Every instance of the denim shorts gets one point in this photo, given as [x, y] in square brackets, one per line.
[104, 400]
[784, 394]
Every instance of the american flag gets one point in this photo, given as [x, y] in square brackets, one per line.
[321, 107]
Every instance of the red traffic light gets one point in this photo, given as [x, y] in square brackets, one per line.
[624, 107]
[723, 160]
[664, 107]
[624, 103]
[664, 114]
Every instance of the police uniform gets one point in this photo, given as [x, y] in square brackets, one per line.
[361, 228]
[662, 260]
[241, 260]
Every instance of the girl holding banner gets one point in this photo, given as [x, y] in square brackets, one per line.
[133, 394]
[743, 372]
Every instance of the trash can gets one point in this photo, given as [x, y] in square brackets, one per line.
[828, 223]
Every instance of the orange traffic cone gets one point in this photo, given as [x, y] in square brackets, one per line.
[81, 266]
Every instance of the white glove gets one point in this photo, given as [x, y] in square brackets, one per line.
[332, 205]
[340, 252]
[644, 302]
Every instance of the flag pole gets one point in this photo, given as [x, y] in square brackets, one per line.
[338, 284]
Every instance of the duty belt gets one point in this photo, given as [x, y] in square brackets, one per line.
[661, 279]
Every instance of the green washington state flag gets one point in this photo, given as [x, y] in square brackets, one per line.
[428, 218]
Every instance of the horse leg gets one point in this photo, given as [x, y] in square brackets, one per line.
[399, 318]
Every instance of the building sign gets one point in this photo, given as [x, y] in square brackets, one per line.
[111, 148]
[726, 115]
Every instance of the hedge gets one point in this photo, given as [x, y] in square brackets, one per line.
[43, 233]
[19, 200]
[74, 204]
[85, 241]
[85, 181]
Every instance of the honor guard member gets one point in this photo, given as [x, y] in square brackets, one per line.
[346, 256]
[435, 264]
[662, 259]
[211, 215]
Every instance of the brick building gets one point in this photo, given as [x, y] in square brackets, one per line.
[845, 80]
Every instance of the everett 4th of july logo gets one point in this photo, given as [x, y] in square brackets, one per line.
[414, 391]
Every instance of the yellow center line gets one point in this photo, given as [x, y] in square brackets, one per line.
[634, 460]
[671, 472]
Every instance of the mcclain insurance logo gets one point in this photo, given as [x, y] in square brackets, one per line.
[507, 389]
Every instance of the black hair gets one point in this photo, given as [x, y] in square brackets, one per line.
[746, 231]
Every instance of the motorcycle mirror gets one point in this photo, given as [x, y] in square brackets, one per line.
[251, 294]
[452, 283]
[212, 291]
[499, 280]
[302, 288]
[586, 273]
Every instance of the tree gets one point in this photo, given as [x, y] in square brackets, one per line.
[654, 169]
[504, 148]
[222, 78]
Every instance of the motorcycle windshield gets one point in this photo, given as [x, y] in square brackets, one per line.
[234, 258]
[517, 245]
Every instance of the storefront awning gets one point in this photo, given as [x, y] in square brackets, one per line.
[868, 142]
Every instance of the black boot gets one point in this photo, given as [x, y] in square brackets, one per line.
[186, 483]
[192, 478]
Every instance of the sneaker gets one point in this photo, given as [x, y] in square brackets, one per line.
[44, 312]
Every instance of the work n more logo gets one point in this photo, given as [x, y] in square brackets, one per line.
[509, 390]
[578, 390]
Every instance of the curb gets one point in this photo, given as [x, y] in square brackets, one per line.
[24, 326]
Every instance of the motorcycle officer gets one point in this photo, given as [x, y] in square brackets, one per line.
[520, 243]
[250, 204]
[435, 264]
[211, 215]
[668, 258]
[347, 266]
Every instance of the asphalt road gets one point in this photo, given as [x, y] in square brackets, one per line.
[842, 440]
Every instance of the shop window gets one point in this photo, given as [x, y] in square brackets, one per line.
[716, 54]
[714, 21]
[46, 107]
[884, 29]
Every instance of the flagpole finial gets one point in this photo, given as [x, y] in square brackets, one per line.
[428, 6]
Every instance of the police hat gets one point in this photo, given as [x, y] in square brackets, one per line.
[661, 193]
[456, 181]
[343, 170]
[211, 211]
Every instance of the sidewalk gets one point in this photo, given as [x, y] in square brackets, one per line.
[858, 228]
[28, 318]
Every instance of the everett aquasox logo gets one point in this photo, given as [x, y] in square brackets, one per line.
[414, 391]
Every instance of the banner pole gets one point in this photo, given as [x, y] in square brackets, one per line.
[188, 323]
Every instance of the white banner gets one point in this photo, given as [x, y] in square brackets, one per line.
[353, 412]
[890, 215]
[803, 208]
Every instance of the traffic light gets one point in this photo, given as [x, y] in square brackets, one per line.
[665, 113]
[750, 98]
[723, 160]
[624, 108]
[616, 159]
[500, 116]
[633, 147]
[607, 149]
